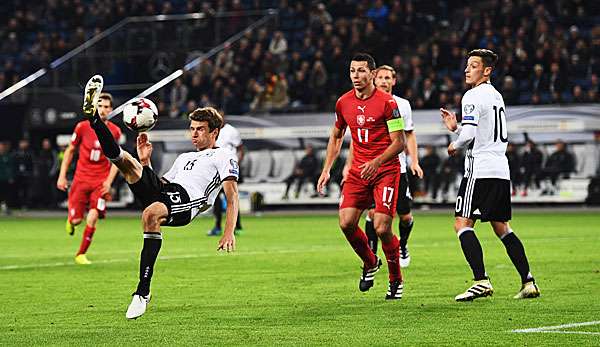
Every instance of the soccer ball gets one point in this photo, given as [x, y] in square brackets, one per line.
[140, 115]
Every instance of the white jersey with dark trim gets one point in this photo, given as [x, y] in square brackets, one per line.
[229, 137]
[406, 113]
[202, 173]
[483, 107]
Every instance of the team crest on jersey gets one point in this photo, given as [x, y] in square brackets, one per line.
[468, 108]
[360, 119]
[234, 167]
[395, 113]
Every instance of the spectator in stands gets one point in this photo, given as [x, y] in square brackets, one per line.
[46, 168]
[557, 81]
[509, 91]
[514, 165]
[578, 95]
[538, 82]
[531, 165]
[561, 163]
[318, 84]
[430, 163]
[306, 170]
[378, 13]
[179, 95]
[278, 46]
[6, 177]
[23, 163]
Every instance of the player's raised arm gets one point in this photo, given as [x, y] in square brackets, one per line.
[449, 119]
[336, 138]
[227, 241]
[144, 149]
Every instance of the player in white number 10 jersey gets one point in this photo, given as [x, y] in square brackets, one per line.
[484, 192]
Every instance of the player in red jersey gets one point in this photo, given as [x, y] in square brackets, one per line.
[94, 175]
[377, 133]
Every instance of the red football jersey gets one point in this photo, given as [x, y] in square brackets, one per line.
[367, 120]
[92, 165]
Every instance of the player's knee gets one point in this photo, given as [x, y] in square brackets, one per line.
[371, 213]
[75, 221]
[459, 224]
[383, 229]
[150, 218]
[347, 226]
[406, 219]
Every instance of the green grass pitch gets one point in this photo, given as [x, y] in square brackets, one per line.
[293, 281]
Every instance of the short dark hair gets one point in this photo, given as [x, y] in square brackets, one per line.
[106, 96]
[365, 57]
[209, 115]
[488, 57]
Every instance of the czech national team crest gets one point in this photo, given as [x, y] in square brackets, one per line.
[360, 119]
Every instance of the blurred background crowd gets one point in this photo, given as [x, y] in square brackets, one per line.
[549, 50]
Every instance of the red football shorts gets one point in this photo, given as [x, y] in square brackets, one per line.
[381, 190]
[84, 196]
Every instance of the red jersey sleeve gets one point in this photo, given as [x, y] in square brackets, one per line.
[117, 134]
[340, 122]
[391, 110]
[77, 136]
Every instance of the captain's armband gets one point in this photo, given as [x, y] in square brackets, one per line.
[395, 124]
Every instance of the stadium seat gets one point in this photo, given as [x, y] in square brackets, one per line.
[260, 166]
[283, 165]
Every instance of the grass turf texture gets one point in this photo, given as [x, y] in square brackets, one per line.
[293, 281]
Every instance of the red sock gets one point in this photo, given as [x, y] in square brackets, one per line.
[86, 240]
[392, 254]
[359, 242]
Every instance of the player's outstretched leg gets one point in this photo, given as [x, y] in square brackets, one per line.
[93, 89]
[152, 217]
[516, 253]
[474, 255]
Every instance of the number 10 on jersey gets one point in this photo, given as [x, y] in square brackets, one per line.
[500, 128]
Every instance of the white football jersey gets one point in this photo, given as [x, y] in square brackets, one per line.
[202, 173]
[229, 137]
[406, 113]
[483, 107]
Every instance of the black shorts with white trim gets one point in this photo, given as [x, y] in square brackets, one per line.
[486, 199]
[150, 188]
[404, 198]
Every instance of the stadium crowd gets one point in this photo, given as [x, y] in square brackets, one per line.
[549, 50]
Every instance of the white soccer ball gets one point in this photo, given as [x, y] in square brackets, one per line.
[140, 115]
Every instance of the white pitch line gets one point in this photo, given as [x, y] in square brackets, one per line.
[174, 257]
[556, 329]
